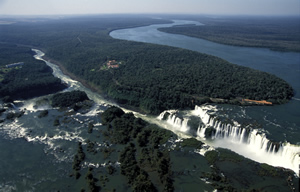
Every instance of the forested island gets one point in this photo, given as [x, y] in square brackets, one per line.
[115, 150]
[144, 157]
[152, 78]
[276, 33]
[33, 78]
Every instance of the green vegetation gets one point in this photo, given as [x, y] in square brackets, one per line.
[68, 99]
[224, 155]
[3, 71]
[266, 169]
[25, 81]
[144, 158]
[280, 34]
[150, 160]
[184, 78]
[233, 172]
[138, 178]
[211, 156]
[78, 159]
[92, 182]
[144, 154]
[191, 142]
[153, 78]
[111, 114]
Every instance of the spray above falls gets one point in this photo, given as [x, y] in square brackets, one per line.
[247, 141]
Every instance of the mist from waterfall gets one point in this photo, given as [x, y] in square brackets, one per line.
[247, 141]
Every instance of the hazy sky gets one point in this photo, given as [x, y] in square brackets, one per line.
[252, 7]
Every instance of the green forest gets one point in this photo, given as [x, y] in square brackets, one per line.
[152, 78]
[67, 99]
[150, 160]
[276, 33]
[32, 79]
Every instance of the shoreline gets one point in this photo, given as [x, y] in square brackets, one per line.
[236, 44]
[236, 101]
[73, 76]
[89, 86]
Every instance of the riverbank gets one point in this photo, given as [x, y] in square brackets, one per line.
[280, 34]
[23, 77]
[74, 77]
[61, 139]
[201, 100]
[90, 86]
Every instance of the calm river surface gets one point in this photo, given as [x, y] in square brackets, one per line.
[40, 156]
[283, 64]
[282, 122]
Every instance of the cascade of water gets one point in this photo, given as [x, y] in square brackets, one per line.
[179, 124]
[277, 154]
[201, 132]
[286, 154]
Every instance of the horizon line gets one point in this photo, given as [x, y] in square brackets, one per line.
[184, 14]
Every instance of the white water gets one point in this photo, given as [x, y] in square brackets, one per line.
[178, 124]
[248, 142]
[73, 84]
[253, 145]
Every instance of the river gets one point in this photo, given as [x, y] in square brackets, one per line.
[285, 65]
[256, 145]
[40, 147]
[279, 123]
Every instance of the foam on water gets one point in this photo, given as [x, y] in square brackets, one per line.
[247, 141]
[56, 139]
[204, 149]
[230, 135]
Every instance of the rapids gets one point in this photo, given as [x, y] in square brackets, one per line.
[247, 141]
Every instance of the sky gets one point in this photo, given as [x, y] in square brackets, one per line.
[219, 7]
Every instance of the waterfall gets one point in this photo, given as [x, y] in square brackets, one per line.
[249, 142]
[201, 132]
[233, 132]
[178, 123]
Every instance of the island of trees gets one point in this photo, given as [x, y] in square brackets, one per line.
[150, 160]
[68, 99]
[152, 78]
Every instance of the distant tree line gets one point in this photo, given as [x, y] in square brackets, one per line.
[280, 34]
[153, 77]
